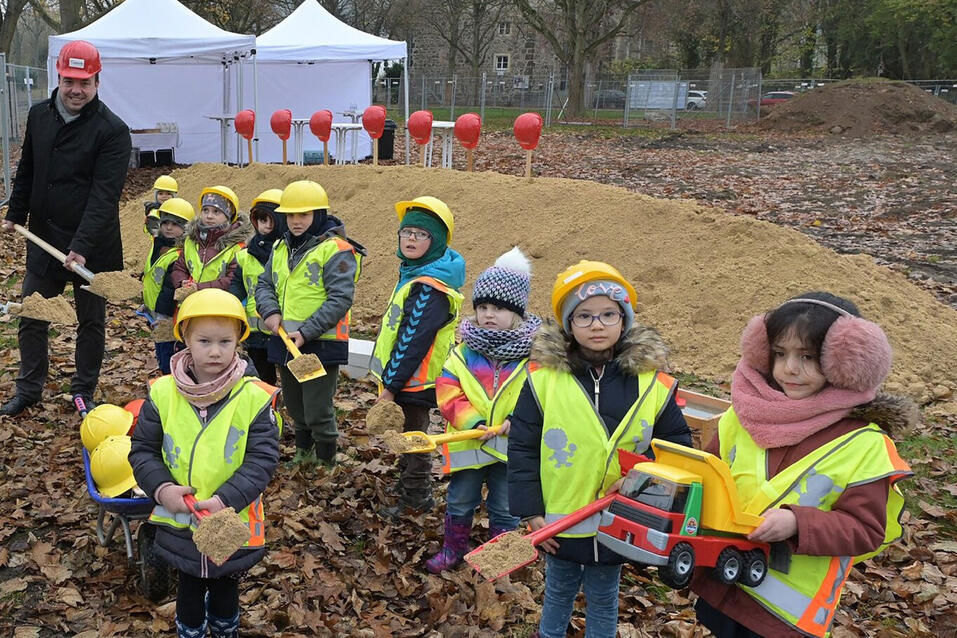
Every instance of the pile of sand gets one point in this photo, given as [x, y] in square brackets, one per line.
[700, 273]
[861, 108]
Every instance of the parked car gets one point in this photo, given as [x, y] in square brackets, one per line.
[776, 97]
[608, 99]
[696, 100]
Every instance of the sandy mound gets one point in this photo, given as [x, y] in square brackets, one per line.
[861, 108]
[700, 273]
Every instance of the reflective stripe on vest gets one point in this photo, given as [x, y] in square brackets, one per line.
[431, 365]
[473, 453]
[806, 597]
[301, 291]
[251, 271]
[214, 268]
[153, 275]
[579, 461]
[217, 443]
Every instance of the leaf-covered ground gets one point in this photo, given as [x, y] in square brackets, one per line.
[335, 568]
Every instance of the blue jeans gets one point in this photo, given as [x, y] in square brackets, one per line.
[465, 494]
[563, 580]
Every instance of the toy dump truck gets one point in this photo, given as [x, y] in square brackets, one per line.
[681, 511]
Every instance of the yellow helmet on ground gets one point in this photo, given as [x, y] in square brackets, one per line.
[110, 466]
[302, 197]
[178, 207]
[166, 183]
[210, 302]
[222, 191]
[583, 272]
[271, 196]
[432, 204]
[103, 421]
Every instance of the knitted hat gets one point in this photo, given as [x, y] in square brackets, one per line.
[598, 288]
[176, 219]
[428, 221]
[218, 201]
[506, 283]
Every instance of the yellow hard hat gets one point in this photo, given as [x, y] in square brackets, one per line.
[302, 197]
[103, 421]
[429, 203]
[178, 207]
[271, 196]
[166, 183]
[210, 302]
[226, 192]
[582, 272]
[110, 466]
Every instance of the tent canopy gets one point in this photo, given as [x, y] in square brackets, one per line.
[159, 29]
[310, 33]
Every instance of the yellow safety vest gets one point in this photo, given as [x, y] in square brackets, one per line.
[807, 596]
[579, 461]
[212, 269]
[217, 446]
[463, 455]
[301, 292]
[251, 271]
[431, 365]
[153, 275]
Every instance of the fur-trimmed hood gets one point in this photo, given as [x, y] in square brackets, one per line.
[640, 350]
[239, 231]
[892, 412]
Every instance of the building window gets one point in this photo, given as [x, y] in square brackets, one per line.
[504, 28]
[501, 63]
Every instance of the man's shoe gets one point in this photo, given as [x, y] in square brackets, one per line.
[16, 405]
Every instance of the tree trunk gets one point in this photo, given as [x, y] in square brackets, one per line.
[69, 15]
[9, 25]
[807, 51]
[576, 81]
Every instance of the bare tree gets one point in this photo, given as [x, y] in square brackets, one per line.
[9, 17]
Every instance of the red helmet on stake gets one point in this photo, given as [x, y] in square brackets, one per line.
[78, 59]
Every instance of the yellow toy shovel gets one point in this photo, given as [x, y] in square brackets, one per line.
[428, 442]
[305, 367]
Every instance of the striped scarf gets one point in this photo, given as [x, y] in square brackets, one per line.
[501, 345]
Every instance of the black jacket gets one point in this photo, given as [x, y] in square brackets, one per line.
[68, 185]
[640, 350]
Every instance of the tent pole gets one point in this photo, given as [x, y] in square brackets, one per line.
[255, 99]
[405, 75]
[239, 107]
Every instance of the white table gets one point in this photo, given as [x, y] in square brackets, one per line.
[444, 130]
[224, 121]
[342, 130]
[298, 125]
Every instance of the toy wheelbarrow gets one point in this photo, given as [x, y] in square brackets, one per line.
[425, 443]
[510, 551]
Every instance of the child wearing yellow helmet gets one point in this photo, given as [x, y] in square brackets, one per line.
[596, 383]
[211, 243]
[417, 333]
[164, 188]
[307, 287]
[211, 391]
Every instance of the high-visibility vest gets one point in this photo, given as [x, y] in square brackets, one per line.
[301, 291]
[153, 275]
[251, 271]
[579, 461]
[213, 269]
[473, 453]
[431, 365]
[807, 596]
[204, 454]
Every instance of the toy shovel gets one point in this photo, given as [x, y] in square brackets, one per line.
[305, 367]
[219, 535]
[505, 553]
[428, 442]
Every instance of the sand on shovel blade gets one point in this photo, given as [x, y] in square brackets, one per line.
[304, 365]
[399, 444]
[219, 535]
[55, 309]
[508, 552]
[384, 416]
[116, 285]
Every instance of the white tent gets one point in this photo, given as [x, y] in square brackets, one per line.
[162, 63]
[312, 61]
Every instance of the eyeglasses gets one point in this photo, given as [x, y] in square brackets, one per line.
[417, 235]
[586, 319]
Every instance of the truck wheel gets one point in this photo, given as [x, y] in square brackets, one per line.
[755, 568]
[677, 573]
[728, 568]
[155, 575]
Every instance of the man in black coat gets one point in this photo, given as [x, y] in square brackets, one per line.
[73, 165]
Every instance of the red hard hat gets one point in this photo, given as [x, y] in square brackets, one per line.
[78, 59]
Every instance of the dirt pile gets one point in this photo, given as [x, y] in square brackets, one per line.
[507, 553]
[385, 416]
[860, 108]
[700, 273]
[398, 444]
[55, 309]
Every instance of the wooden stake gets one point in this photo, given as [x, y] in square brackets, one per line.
[470, 159]
[284, 153]
[325, 153]
[528, 165]
[249, 148]
[422, 148]
[375, 152]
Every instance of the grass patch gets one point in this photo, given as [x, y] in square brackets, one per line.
[932, 456]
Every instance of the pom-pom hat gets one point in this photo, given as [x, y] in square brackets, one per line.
[505, 284]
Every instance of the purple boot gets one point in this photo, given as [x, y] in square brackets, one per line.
[454, 546]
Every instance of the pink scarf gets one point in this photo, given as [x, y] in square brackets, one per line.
[203, 395]
[773, 420]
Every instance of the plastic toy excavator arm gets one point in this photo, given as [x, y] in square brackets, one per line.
[721, 508]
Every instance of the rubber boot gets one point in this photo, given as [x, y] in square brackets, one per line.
[455, 545]
[326, 453]
[305, 453]
[409, 502]
[183, 631]
[495, 530]
[223, 627]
